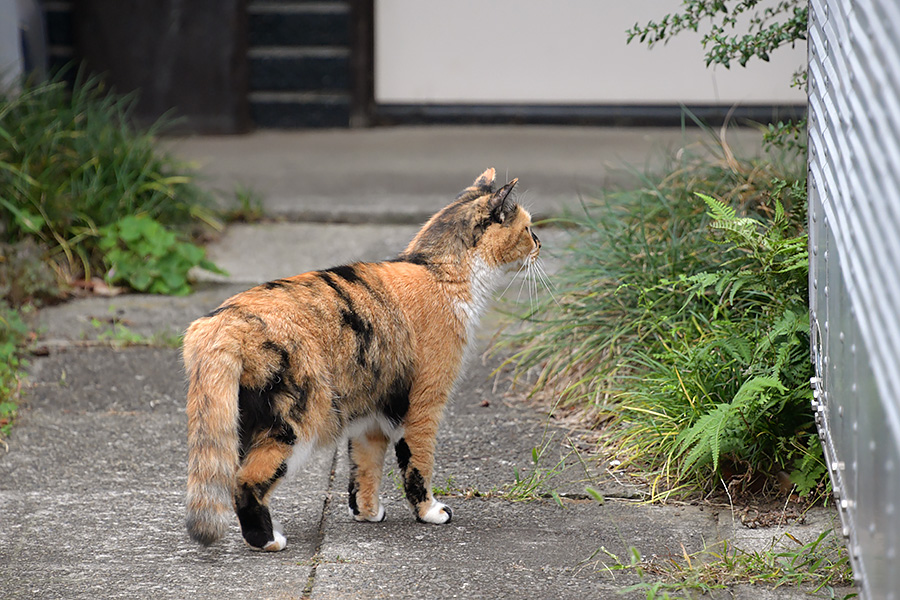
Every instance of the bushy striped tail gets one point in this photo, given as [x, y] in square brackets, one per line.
[213, 415]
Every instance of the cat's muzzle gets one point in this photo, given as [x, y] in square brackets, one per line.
[537, 247]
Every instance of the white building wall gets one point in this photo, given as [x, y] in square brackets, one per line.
[10, 50]
[556, 52]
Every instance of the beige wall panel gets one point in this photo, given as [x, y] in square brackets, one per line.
[557, 52]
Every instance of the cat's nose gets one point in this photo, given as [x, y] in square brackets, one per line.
[537, 242]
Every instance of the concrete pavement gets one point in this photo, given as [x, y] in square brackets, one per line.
[402, 174]
[91, 487]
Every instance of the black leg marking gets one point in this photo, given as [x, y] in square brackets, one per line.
[414, 484]
[403, 455]
[353, 487]
[255, 519]
[262, 489]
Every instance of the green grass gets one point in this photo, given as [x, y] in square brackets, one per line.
[114, 332]
[817, 567]
[679, 327]
[73, 167]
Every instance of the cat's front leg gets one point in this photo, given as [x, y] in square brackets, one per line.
[366, 454]
[415, 457]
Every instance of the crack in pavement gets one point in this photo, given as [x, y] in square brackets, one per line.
[320, 533]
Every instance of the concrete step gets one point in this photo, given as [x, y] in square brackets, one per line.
[288, 69]
[299, 24]
[300, 110]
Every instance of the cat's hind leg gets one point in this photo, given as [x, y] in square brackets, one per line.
[262, 469]
[366, 453]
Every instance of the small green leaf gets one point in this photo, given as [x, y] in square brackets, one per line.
[595, 495]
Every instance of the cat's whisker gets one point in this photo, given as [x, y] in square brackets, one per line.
[548, 283]
[532, 288]
[545, 276]
[513, 280]
[521, 287]
[522, 199]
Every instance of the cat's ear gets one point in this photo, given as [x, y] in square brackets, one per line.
[500, 204]
[485, 181]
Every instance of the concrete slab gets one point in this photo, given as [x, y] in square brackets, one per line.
[92, 491]
[404, 174]
[155, 318]
[495, 549]
[257, 253]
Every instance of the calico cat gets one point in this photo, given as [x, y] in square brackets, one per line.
[365, 351]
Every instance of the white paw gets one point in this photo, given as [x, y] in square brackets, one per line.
[378, 518]
[437, 513]
[275, 545]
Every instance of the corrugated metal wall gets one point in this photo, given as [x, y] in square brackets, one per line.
[854, 213]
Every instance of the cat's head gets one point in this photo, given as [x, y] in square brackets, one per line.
[481, 223]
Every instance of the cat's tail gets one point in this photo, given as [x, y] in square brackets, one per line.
[213, 422]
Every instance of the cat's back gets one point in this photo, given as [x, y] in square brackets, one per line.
[369, 310]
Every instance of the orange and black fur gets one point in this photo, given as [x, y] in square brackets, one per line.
[366, 351]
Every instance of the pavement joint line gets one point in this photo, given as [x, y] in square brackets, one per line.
[320, 533]
[370, 218]
[47, 347]
[346, 218]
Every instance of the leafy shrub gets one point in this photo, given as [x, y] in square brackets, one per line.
[143, 254]
[766, 27]
[680, 326]
[71, 165]
[730, 369]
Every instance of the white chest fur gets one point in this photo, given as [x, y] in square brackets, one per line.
[483, 280]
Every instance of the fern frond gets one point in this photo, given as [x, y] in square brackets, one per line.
[702, 441]
[756, 387]
[718, 210]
